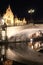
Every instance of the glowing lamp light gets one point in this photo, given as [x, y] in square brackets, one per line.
[3, 50]
[38, 34]
[2, 21]
[31, 11]
[31, 40]
[37, 45]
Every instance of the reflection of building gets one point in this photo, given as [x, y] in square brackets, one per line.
[36, 40]
[8, 62]
[36, 34]
[9, 17]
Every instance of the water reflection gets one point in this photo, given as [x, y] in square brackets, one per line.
[36, 41]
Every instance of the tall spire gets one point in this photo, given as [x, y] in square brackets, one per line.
[9, 8]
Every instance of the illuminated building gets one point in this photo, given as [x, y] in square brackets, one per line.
[9, 17]
[10, 20]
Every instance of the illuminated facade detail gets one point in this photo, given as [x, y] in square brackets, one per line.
[24, 21]
[9, 17]
[20, 22]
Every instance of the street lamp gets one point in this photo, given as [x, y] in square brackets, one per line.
[31, 11]
[4, 29]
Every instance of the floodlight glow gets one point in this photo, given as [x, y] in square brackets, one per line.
[31, 11]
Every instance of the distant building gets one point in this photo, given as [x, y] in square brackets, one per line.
[9, 17]
[10, 20]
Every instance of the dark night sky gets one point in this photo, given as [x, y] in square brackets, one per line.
[21, 7]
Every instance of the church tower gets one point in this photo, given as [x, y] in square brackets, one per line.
[9, 17]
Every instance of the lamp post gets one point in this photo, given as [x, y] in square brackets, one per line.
[4, 37]
[31, 11]
[4, 30]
